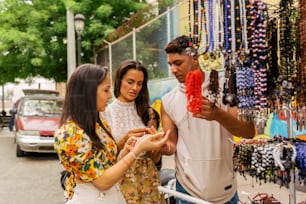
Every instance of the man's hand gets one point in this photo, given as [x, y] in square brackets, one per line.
[209, 110]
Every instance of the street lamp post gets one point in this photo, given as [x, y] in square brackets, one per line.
[79, 21]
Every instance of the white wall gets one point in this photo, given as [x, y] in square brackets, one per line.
[13, 91]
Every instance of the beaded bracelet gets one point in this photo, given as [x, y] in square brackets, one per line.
[277, 155]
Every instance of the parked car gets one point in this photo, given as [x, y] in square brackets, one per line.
[37, 117]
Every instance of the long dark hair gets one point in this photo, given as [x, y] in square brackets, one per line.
[142, 100]
[80, 103]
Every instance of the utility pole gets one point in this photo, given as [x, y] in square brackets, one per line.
[71, 64]
[3, 106]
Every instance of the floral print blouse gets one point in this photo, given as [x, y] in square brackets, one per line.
[78, 156]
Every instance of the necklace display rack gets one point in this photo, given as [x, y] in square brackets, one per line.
[220, 33]
[264, 64]
[273, 160]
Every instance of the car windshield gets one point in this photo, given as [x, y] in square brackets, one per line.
[41, 107]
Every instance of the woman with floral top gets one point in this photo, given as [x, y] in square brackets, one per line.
[130, 112]
[85, 145]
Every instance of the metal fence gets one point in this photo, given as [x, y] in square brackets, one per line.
[146, 43]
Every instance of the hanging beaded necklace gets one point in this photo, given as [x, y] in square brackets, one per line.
[203, 32]
[287, 52]
[232, 33]
[193, 91]
[220, 33]
[194, 78]
[259, 54]
[243, 71]
[302, 68]
[189, 19]
[226, 26]
[238, 34]
[211, 46]
[233, 36]
[195, 36]
[243, 19]
[272, 62]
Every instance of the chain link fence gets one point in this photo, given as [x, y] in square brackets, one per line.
[146, 43]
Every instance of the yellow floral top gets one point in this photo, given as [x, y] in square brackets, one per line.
[78, 156]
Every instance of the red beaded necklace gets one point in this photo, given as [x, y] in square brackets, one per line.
[194, 78]
[193, 91]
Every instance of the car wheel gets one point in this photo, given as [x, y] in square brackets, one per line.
[19, 152]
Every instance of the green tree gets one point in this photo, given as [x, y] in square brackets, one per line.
[33, 34]
[31, 39]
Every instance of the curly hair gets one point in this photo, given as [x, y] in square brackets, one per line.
[178, 45]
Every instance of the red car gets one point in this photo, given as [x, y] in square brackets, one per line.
[37, 117]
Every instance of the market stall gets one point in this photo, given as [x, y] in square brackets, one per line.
[260, 49]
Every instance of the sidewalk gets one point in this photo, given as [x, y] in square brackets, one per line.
[249, 187]
[5, 132]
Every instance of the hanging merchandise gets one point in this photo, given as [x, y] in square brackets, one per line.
[301, 72]
[205, 20]
[258, 13]
[272, 63]
[270, 160]
[265, 199]
[229, 52]
[301, 161]
[263, 61]
[238, 40]
[219, 34]
[210, 55]
[248, 57]
[285, 73]
[229, 87]
[193, 91]
[287, 54]
[245, 91]
[301, 91]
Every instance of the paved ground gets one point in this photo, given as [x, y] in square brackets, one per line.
[248, 188]
[33, 179]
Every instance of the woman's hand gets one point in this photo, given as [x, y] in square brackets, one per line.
[150, 142]
[155, 155]
[128, 146]
[138, 132]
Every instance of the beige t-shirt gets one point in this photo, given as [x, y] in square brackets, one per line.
[204, 153]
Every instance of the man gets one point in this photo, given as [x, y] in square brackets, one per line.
[203, 151]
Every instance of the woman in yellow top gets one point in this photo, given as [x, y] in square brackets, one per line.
[85, 145]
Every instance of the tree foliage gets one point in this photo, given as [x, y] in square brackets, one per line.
[33, 34]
